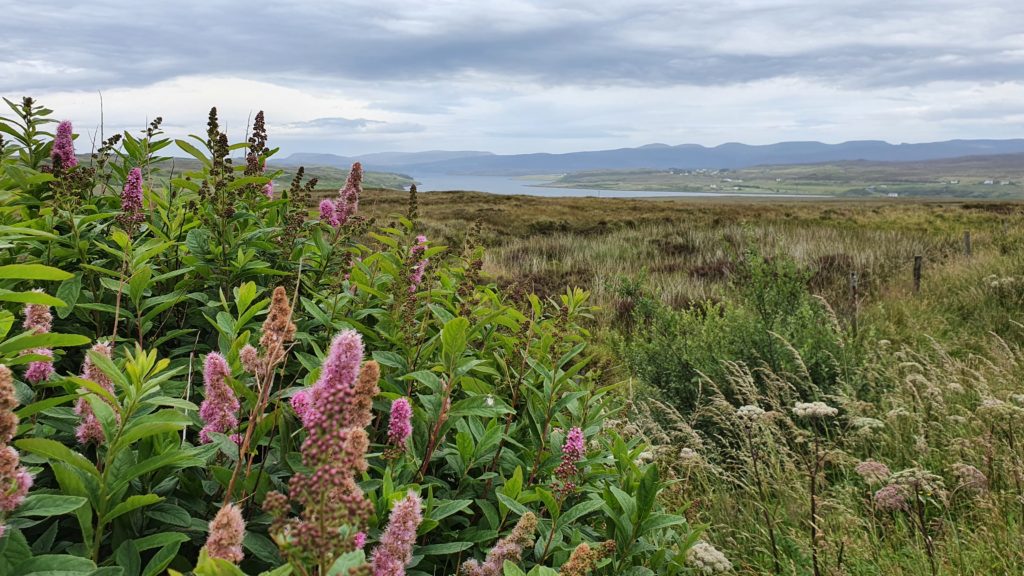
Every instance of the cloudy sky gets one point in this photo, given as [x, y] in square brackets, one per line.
[514, 76]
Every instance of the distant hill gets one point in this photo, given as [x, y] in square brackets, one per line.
[379, 160]
[692, 156]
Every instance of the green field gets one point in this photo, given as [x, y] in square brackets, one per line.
[972, 177]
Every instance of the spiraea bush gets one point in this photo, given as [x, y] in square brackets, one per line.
[204, 374]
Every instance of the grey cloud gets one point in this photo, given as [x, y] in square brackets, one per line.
[623, 43]
[348, 125]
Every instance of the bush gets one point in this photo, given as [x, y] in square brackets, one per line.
[220, 313]
[773, 322]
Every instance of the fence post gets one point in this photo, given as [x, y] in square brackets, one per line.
[854, 296]
[967, 243]
[917, 274]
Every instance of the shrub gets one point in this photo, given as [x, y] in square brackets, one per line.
[170, 273]
[774, 322]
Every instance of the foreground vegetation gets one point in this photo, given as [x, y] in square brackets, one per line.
[203, 374]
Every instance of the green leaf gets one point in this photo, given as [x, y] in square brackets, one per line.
[32, 272]
[132, 503]
[346, 561]
[53, 450]
[447, 508]
[443, 549]
[510, 569]
[30, 298]
[50, 340]
[193, 151]
[578, 511]
[69, 291]
[150, 424]
[55, 565]
[46, 505]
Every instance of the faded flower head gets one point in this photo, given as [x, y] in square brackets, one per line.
[8, 402]
[749, 414]
[970, 479]
[891, 498]
[220, 405]
[400, 423]
[509, 548]
[873, 473]
[250, 358]
[15, 480]
[38, 319]
[278, 328]
[584, 558]
[707, 559]
[814, 410]
[63, 151]
[395, 549]
[227, 530]
[920, 481]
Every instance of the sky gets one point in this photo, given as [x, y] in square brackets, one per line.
[353, 77]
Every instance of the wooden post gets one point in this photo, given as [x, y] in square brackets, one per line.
[854, 297]
[967, 243]
[917, 274]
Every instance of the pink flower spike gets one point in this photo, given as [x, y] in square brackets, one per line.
[400, 424]
[63, 151]
[220, 406]
[329, 213]
[395, 549]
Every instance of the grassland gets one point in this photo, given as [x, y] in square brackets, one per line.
[927, 383]
[970, 177]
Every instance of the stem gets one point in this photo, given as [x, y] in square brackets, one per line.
[814, 508]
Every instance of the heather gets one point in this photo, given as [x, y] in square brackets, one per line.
[201, 374]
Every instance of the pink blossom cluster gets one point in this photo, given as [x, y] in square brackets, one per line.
[131, 199]
[395, 549]
[219, 409]
[15, 480]
[338, 211]
[89, 429]
[38, 320]
[63, 151]
[335, 412]
[420, 266]
[400, 423]
[573, 451]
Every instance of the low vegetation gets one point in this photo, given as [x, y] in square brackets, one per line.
[205, 374]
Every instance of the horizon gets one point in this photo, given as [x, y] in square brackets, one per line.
[529, 77]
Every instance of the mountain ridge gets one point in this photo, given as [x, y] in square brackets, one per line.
[729, 155]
